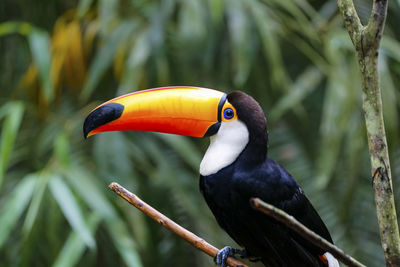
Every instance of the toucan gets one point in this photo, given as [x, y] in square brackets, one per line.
[235, 167]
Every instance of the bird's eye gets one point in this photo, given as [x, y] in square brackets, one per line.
[228, 113]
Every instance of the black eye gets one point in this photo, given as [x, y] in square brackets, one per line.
[228, 113]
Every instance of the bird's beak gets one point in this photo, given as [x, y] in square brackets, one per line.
[187, 111]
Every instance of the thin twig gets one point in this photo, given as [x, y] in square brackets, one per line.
[299, 228]
[191, 238]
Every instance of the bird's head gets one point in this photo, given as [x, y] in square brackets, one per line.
[233, 121]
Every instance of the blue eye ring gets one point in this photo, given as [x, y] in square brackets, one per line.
[229, 113]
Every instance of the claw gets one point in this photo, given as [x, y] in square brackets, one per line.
[223, 254]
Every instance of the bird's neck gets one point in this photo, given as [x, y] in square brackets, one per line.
[254, 153]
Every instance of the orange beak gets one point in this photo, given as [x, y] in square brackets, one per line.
[190, 111]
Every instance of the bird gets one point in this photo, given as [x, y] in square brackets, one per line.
[234, 169]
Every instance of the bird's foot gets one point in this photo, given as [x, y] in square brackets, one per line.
[223, 254]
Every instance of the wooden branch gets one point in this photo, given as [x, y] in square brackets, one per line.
[376, 22]
[366, 41]
[351, 20]
[302, 230]
[191, 238]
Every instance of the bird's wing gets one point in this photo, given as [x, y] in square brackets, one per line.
[274, 185]
[300, 207]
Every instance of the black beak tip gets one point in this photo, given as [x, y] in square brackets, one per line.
[86, 128]
[101, 116]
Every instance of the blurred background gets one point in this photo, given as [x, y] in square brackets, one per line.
[59, 59]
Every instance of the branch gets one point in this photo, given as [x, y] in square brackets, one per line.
[376, 22]
[302, 230]
[366, 41]
[351, 19]
[191, 238]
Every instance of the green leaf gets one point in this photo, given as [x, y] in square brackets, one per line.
[15, 206]
[33, 209]
[302, 87]
[39, 42]
[83, 7]
[294, 10]
[108, 12]
[124, 243]
[138, 55]
[61, 149]
[186, 149]
[391, 47]
[241, 38]
[113, 146]
[9, 133]
[340, 102]
[267, 30]
[191, 22]
[390, 113]
[86, 184]
[105, 56]
[74, 247]
[10, 27]
[70, 208]
[87, 187]
[217, 10]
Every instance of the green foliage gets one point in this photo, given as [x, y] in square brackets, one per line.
[295, 57]
[12, 112]
[40, 46]
[16, 203]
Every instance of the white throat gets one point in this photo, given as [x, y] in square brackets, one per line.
[230, 140]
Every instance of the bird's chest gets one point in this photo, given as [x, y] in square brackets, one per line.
[222, 196]
[228, 204]
[216, 191]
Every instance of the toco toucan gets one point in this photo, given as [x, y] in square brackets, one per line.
[234, 168]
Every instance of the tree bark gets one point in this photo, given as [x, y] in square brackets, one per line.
[366, 40]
